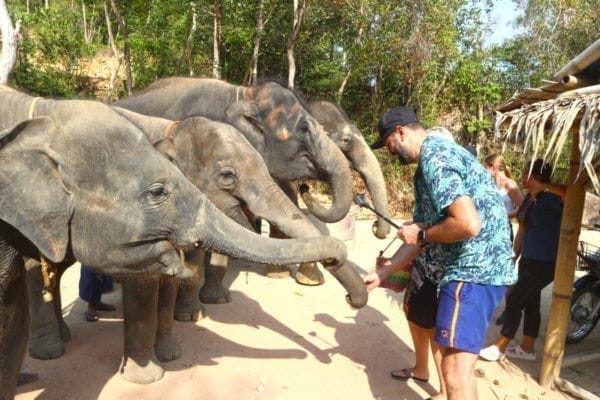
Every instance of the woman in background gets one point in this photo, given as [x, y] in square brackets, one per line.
[511, 196]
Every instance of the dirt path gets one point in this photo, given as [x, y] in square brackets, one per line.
[279, 340]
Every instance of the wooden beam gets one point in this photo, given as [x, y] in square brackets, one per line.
[579, 358]
[564, 274]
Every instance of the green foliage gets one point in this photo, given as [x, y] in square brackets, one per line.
[430, 54]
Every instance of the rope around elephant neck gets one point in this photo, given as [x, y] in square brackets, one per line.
[32, 107]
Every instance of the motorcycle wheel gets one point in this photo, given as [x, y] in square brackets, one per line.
[581, 320]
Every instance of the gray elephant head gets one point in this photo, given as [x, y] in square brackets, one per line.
[273, 119]
[350, 140]
[218, 159]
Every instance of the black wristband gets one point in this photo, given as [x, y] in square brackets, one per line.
[421, 238]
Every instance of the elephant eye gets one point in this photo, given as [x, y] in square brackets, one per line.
[304, 127]
[156, 193]
[227, 177]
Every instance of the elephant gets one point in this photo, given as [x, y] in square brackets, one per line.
[80, 182]
[275, 121]
[218, 159]
[350, 140]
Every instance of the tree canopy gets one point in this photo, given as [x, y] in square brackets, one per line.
[367, 54]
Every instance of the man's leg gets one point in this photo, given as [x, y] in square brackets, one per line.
[420, 338]
[458, 368]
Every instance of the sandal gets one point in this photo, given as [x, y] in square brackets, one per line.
[91, 316]
[406, 374]
[105, 307]
[25, 378]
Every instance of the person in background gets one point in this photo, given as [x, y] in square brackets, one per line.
[459, 215]
[91, 287]
[537, 243]
[511, 196]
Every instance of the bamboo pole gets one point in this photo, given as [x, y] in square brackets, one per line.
[579, 359]
[565, 272]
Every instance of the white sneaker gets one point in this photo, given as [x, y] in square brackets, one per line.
[491, 353]
[518, 352]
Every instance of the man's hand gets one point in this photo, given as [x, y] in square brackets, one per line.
[372, 280]
[409, 233]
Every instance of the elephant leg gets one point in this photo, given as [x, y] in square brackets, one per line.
[272, 270]
[45, 342]
[14, 329]
[213, 291]
[187, 304]
[309, 274]
[140, 300]
[63, 328]
[166, 347]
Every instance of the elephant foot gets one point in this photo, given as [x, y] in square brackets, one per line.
[189, 314]
[141, 373]
[214, 295]
[277, 271]
[47, 347]
[167, 348]
[310, 275]
[188, 308]
[65, 332]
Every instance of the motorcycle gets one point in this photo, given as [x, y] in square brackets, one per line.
[585, 303]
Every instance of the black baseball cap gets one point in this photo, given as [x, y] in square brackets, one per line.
[388, 122]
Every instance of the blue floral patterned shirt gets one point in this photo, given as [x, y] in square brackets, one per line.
[446, 171]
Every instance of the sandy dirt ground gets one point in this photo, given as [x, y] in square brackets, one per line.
[280, 340]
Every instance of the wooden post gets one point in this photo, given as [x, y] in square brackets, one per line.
[565, 272]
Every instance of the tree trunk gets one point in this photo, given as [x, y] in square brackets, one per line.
[190, 39]
[126, 48]
[259, 30]
[113, 47]
[217, 40]
[298, 15]
[10, 36]
[340, 92]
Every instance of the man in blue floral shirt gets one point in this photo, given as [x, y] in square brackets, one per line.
[460, 217]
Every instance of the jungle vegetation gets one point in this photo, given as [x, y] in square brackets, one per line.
[368, 55]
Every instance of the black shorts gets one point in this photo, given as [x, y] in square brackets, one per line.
[423, 305]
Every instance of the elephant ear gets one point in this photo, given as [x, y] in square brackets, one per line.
[35, 187]
[153, 127]
[245, 116]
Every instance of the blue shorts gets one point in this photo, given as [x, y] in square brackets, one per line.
[464, 313]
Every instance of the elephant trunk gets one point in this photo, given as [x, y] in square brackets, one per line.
[346, 274]
[339, 177]
[223, 235]
[365, 162]
[273, 205]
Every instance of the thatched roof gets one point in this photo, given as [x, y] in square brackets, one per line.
[543, 118]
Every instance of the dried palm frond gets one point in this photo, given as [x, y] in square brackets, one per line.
[529, 124]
